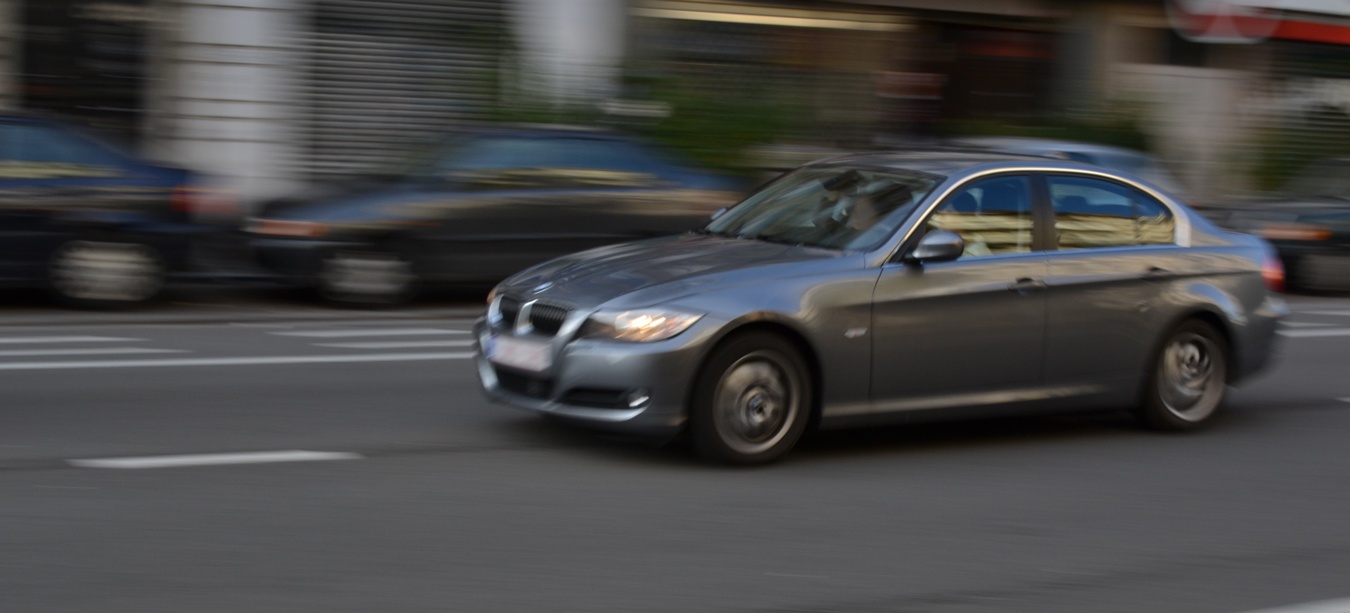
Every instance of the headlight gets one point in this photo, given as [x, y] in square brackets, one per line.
[492, 295]
[641, 325]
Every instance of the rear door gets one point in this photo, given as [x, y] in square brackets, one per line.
[1113, 255]
[969, 330]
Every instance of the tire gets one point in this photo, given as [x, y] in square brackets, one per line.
[752, 400]
[1187, 379]
[106, 274]
[368, 278]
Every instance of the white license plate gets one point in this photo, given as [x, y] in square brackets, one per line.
[519, 353]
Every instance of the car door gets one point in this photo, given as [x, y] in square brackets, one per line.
[969, 330]
[1113, 254]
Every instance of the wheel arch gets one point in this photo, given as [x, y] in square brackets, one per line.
[782, 327]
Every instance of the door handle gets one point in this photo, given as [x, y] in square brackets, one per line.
[1154, 273]
[1026, 286]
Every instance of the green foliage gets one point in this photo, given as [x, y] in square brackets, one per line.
[1283, 151]
[715, 125]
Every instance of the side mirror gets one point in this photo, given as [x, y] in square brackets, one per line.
[937, 246]
[717, 213]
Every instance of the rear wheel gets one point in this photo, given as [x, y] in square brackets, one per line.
[373, 278]
[106, 274]
[1188, 379]
[752, 400]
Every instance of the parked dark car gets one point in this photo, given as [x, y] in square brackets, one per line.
[1309, 224]
[97, 225]
[892, 287]
[478, 208]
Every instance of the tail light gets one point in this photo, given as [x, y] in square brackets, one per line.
[1272, 271]
[282, 227]
[203, 201]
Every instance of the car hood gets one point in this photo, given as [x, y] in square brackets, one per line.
[646, 272]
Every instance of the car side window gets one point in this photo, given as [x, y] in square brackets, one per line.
[1096, 213]
[992, 215]
[40, 152]
[548, 163]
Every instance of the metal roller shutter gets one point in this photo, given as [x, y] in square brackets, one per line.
[384, 74]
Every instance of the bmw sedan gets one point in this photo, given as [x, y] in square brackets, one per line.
[892, 287]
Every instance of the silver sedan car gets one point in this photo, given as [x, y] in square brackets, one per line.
[892, 287]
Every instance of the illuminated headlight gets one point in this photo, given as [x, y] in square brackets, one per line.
[642, 325]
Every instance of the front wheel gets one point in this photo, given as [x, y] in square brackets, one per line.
[366, 278]
[1188, 379]
[752, 400]
[106, 274]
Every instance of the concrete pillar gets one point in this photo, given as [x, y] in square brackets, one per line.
[573, 48]
[226, 97]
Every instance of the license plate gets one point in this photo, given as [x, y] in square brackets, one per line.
[519, 353]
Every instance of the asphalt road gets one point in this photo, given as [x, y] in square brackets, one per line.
[425, 498]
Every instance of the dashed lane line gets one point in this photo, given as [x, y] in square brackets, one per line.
[1315, 333]
[11, 353]
[215, 459]
[369, 332]
[1341, 605]
[397, 344]
[238, 361]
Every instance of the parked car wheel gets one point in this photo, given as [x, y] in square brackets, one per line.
[106, 274]
[1188, 379]
[366, 278]
[752, 400]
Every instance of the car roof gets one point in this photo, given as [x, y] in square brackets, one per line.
[944, 162]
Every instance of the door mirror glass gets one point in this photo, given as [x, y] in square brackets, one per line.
[937, 246]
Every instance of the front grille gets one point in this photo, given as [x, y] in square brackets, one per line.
[597, 397]
[509, 307]
[547, 318]
[525, 385]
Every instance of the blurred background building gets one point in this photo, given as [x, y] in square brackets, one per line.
[273, 94]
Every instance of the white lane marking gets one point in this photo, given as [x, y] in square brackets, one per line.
[396, 344]
[212, 459]
[370, 332]
[1346, 399]
[65, 339]
[1344, 312]
[242, 361]
[1340, 605]
[1315, 333]
[86, 351]
[1304, 324]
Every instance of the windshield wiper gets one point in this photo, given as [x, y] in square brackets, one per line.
[772, 239]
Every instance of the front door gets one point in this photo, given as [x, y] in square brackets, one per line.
[969, 330]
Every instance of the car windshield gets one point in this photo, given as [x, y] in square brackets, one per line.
[834, 208]
[1327, 179]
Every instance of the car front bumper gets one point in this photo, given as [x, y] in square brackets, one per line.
[591, 382]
